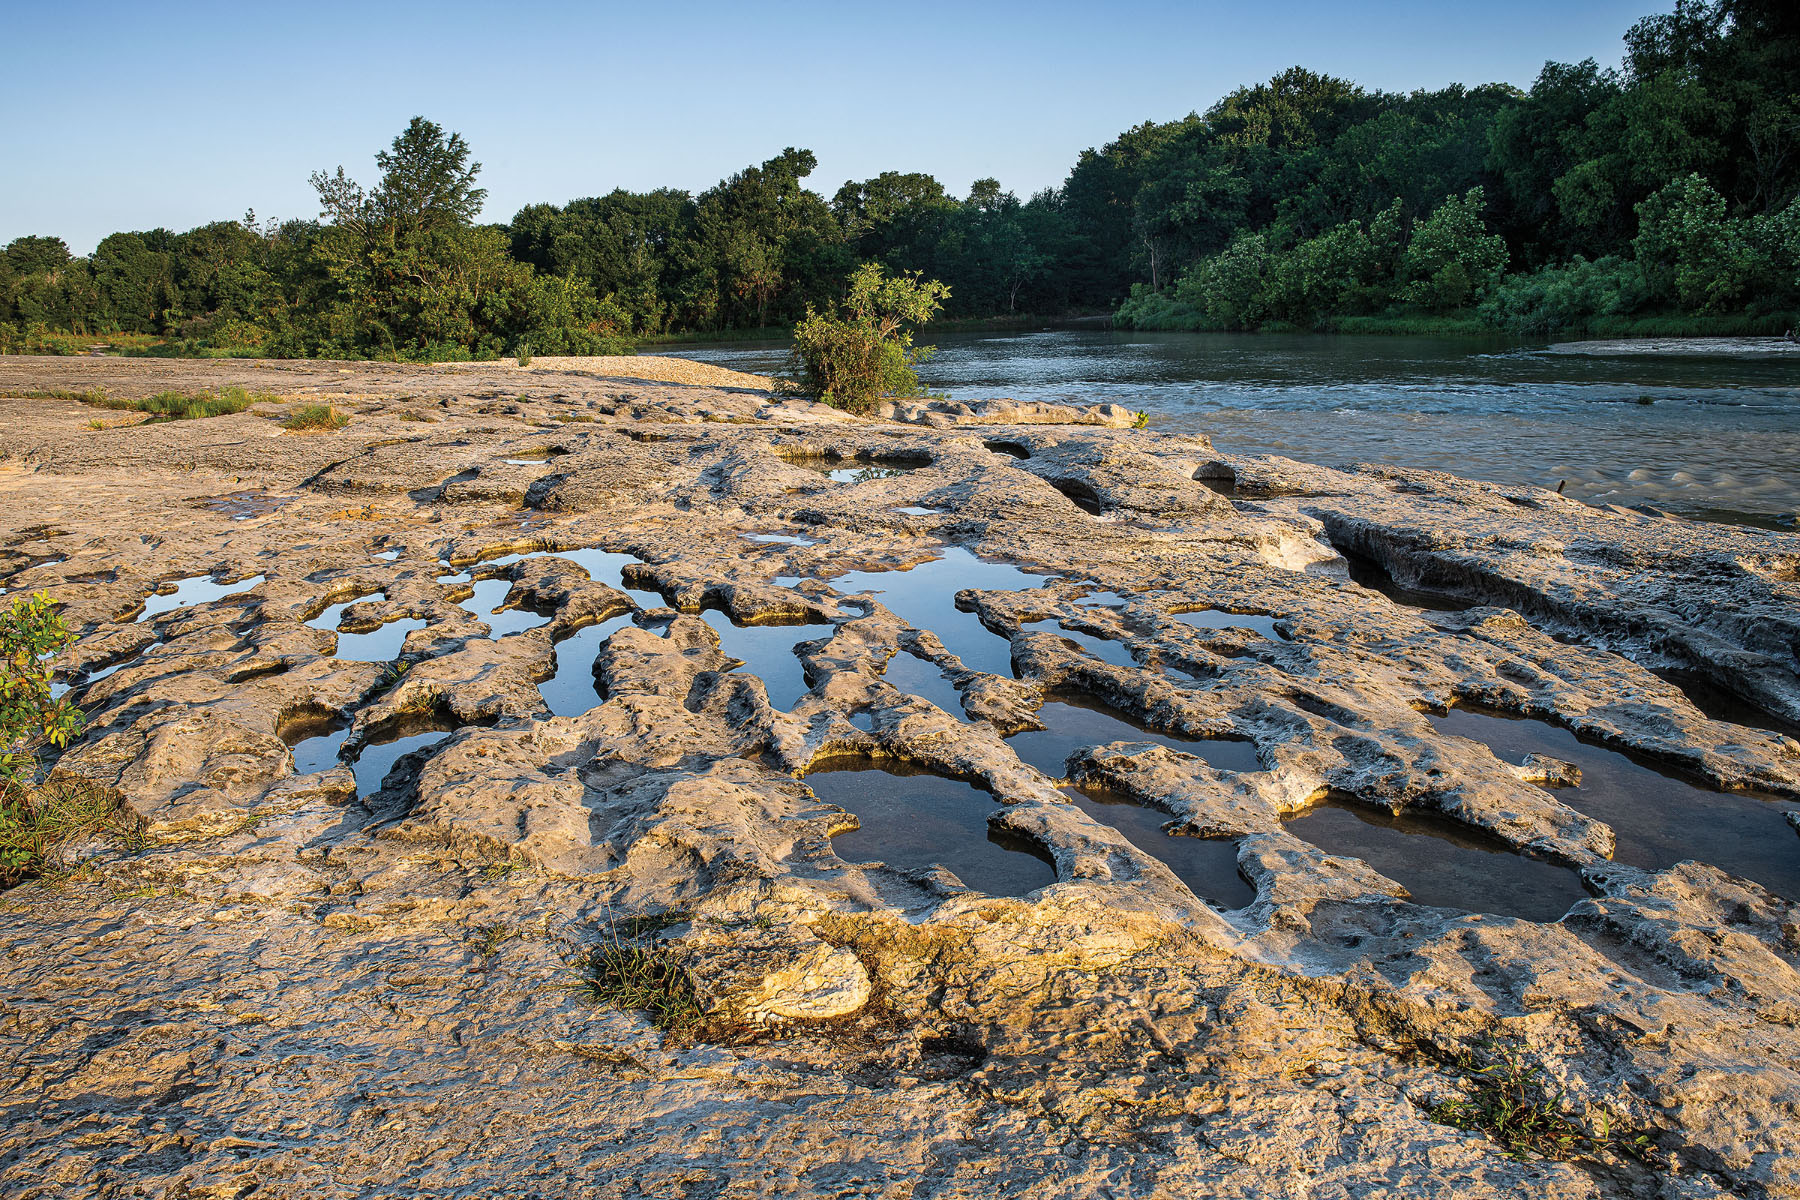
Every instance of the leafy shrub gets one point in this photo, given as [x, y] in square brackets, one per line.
[864, 351]
[1146, 309]
[1230, 286]
[33, 819]
[1570, 296]
[1452, 260]
[31, 632]
[315, 418]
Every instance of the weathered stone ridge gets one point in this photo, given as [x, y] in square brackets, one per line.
[323, 977]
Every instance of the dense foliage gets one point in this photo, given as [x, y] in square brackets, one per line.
[1664, 188]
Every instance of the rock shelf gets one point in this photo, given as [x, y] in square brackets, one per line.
[1120, 953]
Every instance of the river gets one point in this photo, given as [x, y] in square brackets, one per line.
[1709, 436]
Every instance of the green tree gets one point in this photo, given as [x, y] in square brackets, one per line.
[1689, 252]
[1453, 261]
[407, 274]
[135, 277]
[1231, 287]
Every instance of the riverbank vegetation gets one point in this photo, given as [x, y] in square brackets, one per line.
[1659, 197]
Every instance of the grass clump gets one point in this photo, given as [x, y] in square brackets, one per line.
[85, 395]
[489, 938]
[183, 406]
[35, 821]
[1523, 1110]
[646, 979]
[315, 418]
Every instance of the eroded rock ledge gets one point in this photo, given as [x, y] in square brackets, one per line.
[342, 962]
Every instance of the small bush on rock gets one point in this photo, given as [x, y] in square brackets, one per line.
[31, 632]
[34, 819]
[864, 351]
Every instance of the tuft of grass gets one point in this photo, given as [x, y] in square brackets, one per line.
[185, 406]
[489, 938]
[89, 396]
[647, 979]
[96, 423]
[1523, 1110]
[636, 927]
[315, 418]
[35, 822]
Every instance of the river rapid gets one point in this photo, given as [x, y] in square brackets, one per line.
[1708, 435]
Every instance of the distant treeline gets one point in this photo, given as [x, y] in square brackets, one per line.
[1662, 191]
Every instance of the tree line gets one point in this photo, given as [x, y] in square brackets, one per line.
[1664, 188]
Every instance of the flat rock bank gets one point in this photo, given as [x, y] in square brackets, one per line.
[417, 720]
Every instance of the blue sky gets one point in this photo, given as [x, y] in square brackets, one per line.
[133, 116]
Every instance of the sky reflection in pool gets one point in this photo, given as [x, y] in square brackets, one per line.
[1217, 618]
[1207, 865]
[1442, 863]
[767, 652]
[913, 818]
[1657, 817]
[196, 589]
[924, 597]
[1076, 722]
[376, 759]
[572, 690]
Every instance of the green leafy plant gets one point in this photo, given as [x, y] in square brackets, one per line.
[31, 632]
[855, 355]
[315, 418]
[489, 938]
[34, 819]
